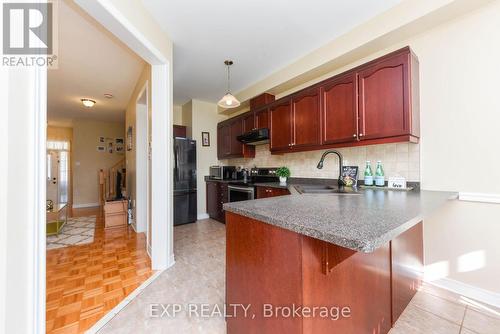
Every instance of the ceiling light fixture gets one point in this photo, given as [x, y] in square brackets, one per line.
[88, 103]
[228, 100]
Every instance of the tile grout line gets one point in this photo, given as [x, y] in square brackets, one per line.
[463, 318]
[436, 315]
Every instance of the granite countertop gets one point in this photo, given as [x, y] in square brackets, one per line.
[361, 222]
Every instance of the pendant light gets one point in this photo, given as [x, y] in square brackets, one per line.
[228, 100]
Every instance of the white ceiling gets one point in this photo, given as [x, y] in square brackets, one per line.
[92, 62]
[260, 36]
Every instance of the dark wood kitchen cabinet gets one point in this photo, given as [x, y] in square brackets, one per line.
[223, 141]
[248, 122]
[281, 125]
[388, 97]
[228, 145]
[375, 103]
[262, 118]
[339, 112]
[217, 195]
[306, 119]
[295, 122]
[236, 129]
[270, 265]
[266, 192]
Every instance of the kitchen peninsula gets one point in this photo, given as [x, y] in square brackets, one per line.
[363, 251]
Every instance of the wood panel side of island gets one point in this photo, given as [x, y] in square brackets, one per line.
[263, 266]
[269, 265]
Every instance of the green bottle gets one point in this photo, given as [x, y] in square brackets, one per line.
[368, 174]
[379, 175]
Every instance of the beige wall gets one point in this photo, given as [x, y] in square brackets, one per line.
[203, 117]
[187, 118]
[178, 115]
[459, 129]
[87, 161]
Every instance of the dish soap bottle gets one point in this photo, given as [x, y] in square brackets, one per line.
[368, 174]
[379, 175]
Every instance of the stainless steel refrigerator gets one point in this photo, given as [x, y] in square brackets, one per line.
[185, 204]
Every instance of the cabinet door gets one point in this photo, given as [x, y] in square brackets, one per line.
[265, 192]
[306, 119]
[236, 130]
[262, 118]
[249, 122]
[339, 113]
[213, 199]
[281, 126]
[384, 98]
[223, 141]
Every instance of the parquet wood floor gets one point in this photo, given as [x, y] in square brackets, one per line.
[85, 282]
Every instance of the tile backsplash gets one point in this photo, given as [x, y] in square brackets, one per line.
[401, 159]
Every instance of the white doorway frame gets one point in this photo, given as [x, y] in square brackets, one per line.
[142, 198]
[162, 256]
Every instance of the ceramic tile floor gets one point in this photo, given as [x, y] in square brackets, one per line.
[198, 277]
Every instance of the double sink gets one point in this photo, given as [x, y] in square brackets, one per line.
[325, 189]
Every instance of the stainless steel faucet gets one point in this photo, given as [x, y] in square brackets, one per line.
[341, 164]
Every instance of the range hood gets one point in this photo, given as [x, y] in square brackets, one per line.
[255, 137]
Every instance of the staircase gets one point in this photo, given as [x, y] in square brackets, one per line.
[108, 179]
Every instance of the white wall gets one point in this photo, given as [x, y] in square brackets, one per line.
[204, 118]
[460, 122]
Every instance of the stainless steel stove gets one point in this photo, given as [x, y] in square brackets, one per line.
[244, 191]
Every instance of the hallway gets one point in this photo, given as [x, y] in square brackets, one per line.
[85, 282]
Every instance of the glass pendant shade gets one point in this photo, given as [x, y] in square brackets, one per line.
[228, 101]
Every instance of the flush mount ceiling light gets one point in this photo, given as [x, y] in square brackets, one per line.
[228, 100]
[88, 103]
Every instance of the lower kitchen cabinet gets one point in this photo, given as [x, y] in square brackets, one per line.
[217, 195]
[265, 192]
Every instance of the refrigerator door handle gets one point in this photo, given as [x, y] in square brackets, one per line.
[176, 161]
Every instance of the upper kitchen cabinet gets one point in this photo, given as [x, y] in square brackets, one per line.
[339, 112]
[262, 118]
[236, 129]
[306, 119]
[228, 145]
[388, 97]
[249, 122]
[223, 140]
[281, 125]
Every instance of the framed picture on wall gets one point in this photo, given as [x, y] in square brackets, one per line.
[205, 138]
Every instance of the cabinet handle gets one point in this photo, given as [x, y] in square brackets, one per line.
[361, 135]
[354, 135]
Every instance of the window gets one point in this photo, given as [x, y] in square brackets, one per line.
[57, 145]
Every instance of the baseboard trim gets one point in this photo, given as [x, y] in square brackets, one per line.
[478, 197]
[111, 314]
[203, 216]
[466, 290]
[85, 205]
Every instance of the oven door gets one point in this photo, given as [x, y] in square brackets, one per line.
[239, 193]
